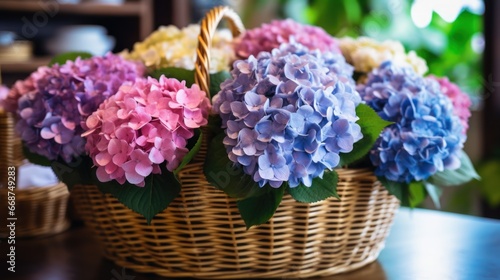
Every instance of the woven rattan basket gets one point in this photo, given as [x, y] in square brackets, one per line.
[202, 235]
[38, 210]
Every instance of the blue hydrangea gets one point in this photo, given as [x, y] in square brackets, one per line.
[288, 114]
[426, 135]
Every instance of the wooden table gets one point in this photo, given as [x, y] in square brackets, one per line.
[423, 244]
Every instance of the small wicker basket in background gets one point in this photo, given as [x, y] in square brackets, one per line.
[202, 235]
[38, 210]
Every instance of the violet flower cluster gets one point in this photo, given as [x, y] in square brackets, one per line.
[426, 136]
[143, 125]
[54, 101]
[271, 35]
[288, 114]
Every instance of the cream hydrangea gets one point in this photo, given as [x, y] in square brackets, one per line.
[170, 46]
[365, 54]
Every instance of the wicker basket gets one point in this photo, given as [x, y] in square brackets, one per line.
[202, 235]
[11, 154]
[39, 210]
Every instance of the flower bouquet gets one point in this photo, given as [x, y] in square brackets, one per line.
[199, 173]
[422, 150]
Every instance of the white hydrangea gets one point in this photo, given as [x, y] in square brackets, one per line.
[170, 46]
[366, 54]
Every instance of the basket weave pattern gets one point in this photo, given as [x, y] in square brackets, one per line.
[39, 210]
[202, 235]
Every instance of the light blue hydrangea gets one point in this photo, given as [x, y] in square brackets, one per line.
[426, 135]
[288, 114]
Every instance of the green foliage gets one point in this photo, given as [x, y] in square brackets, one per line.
[399, 190]
[159, 191]
[35, 158]
[462, 175]
[258, 210]
[417, 193]
[74, 173]
[223, 174]
[180, 74]
[490, 178]
[371, 126]
[193, 145]
[216, 79]
[434, 192]
[321, 189]
[62, 58]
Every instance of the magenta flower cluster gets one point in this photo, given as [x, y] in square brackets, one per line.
[271, 35]
[288, 114]
[461, 101]
[53, 102]
[144, 125]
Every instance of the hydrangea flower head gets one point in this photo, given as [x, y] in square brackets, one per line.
[53, 102]
[4, 92]
[461, 101]
[367, 54]
[288, 114]
[426, 136]
[143, 125]
[271, 35]
[170, 46]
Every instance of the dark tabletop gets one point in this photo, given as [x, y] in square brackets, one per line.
[423, 244]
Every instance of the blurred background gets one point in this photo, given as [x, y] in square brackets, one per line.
[451, 35]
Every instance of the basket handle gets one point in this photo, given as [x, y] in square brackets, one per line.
[207, 31]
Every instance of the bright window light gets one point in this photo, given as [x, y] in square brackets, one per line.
[448, 10]
[421, 13]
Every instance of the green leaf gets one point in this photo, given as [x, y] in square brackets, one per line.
[226, 176]
[462, 175]
[488, 186]
[371, 126]
[159, 191]
[73, 173]
[416, 193]
[216, 79]
[62, 58]
[434, 192]
[258, 210]
[35, 158]
[180, 74]
[321, 189]
[399, 190]
[192, 152]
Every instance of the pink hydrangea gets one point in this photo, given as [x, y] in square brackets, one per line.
[4, 91]
[22, 87]
[52, 102]
[271, 35]
[461, 101]
[145, 124]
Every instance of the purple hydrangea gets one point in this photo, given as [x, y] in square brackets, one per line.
[288, 114]
[52, 109]
[426, 136]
